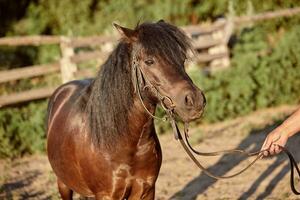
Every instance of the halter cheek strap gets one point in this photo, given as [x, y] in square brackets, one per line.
[139, 79]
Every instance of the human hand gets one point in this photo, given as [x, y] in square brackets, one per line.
[274, 140]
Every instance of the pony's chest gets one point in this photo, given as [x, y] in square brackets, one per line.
[141, 165]
[148, 151]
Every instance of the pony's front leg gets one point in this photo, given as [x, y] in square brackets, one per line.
[142, 190]
[65, 192]
[103, 197]
[149, 195]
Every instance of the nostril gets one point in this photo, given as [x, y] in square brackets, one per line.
[204, 99]
[189, 100]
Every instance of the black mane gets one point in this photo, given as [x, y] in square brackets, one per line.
[112, 90]
[166, 41]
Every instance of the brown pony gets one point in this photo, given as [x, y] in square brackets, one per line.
[101, 141]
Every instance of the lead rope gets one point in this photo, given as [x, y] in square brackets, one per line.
[258, 154]
[177, 134]
[293, 165]
[188, 147]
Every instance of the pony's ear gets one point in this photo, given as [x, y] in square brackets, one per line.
[126, 32]
[161, 21]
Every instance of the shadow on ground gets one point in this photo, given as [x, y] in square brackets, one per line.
[253, 143]
[7, 189]
[32, 178]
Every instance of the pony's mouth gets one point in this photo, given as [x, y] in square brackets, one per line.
[189, 116]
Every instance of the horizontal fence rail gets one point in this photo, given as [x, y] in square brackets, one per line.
[209, 41]
[28, 72]
[46, 40]
[268, 15]
[85, 56]
[25, 96]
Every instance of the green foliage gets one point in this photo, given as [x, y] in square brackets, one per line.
[89, 17]
[14, 57]
[22, 129]
[260, 76]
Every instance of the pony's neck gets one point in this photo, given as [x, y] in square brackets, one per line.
[140, 122]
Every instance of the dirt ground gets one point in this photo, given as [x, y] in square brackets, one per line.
[179, 179]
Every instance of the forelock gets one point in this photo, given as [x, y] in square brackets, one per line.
[164, 40]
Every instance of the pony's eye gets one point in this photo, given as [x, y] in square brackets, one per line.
[149, 62]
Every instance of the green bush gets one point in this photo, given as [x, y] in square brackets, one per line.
[259, 77]
[22, 129]
[89, 17]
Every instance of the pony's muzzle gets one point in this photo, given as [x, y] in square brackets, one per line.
[191, 104]
[194, 100]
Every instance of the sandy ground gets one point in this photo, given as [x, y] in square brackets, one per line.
[31, 177]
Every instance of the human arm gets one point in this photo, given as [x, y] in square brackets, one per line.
[281, 134]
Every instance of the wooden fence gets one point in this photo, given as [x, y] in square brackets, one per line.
[210, 43]
[66, 66]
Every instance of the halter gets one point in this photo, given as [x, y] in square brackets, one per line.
[140, 78]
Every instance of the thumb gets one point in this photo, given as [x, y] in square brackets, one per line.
[266, 145]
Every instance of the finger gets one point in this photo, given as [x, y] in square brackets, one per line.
[266, 147]
[266, 153]
[277, 149]
[263, 152]
[263, 146]
[272, 149]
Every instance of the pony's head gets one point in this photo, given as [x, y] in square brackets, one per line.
[159, 50]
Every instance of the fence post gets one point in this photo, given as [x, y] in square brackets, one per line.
[68, 68]
[228, 30]
[224, 35]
